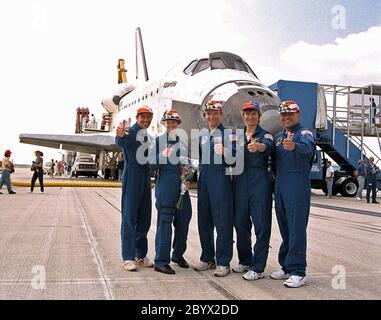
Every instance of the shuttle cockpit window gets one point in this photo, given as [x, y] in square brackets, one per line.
[250, 70]
[201, 65]
[189, 69]
[238, 65]
[219, 60]
[218, 63]
[227, 60]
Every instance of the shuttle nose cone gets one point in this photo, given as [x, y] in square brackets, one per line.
[235, 96]
[111, 103]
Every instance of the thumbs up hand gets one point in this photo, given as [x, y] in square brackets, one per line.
[253, 145]
[288, 144]
[218, 146]
[167, 151]
[121, 130]
[219, 149]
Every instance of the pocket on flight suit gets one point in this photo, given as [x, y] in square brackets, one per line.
[167, 214]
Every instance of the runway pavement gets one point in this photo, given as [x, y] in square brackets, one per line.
[64, 244]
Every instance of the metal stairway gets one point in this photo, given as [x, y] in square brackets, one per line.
[348, 125]
[346, 157]
[340, 117]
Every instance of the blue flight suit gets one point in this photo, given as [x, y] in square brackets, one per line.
[253, 202]
[215, 200]
[371, 181]
[136, 196]
[167, 192]
[293, 198]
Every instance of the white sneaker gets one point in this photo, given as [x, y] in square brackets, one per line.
[252, 275]
[279, 275]
[222, 271]
[295, 281]
[358, 198]
[143, 262]
[202, 266]
[241, 268]
[129, 265]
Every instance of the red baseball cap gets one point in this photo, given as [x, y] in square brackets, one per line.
[144, 109]
[251, 106]
[7, 152]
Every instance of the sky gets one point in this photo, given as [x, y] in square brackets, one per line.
[60, 55]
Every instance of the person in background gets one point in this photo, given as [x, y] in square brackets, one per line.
[52, 165]
[37, 167]
[371, 180]
[69, 165]
[93, 121]
[59, 168]
[7, 169]
[56, 168]
[329, 174]
[65, 168]
[361, 178]
[113, 169]
[85, 123]
[373, 110]
[120, 166]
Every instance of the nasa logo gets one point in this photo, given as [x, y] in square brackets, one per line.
[278, 143]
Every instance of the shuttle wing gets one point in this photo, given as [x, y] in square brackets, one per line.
[81, 143]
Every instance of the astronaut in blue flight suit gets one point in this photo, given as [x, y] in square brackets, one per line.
[136, 190]
[294, 151]
[215, 193]
[166, 161]
[253, 195]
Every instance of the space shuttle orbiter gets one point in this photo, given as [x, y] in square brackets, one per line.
[186, 87]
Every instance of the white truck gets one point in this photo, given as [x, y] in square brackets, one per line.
[84, 165]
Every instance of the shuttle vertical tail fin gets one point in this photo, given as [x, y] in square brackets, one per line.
[140, 51]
